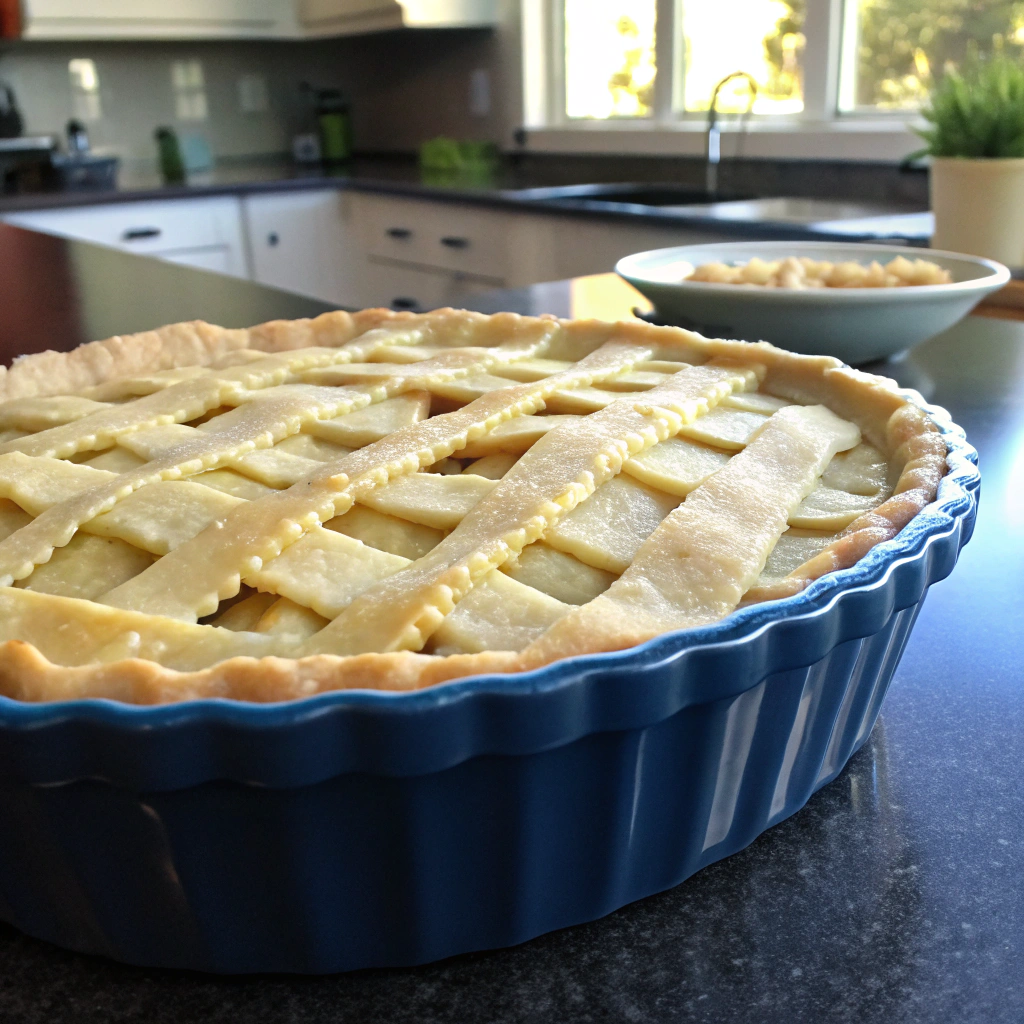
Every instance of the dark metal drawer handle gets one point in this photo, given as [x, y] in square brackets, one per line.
[455, 242]
[402, 303]
[400, 233]
[134, 234]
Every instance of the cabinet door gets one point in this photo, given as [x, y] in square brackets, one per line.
[344, 17]
[162, 228]
[300, 241]
[155, 19]
[446, 236]
[313, 11]
[399, 286]
[581, 246]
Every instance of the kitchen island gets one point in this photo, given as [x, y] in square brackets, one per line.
[894, 896]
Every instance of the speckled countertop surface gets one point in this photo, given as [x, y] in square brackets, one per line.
[894, 896]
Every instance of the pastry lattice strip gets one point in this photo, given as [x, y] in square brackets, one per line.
[565, 467]
[281, 540]
[260, 530]
[257, 423]
[170, 635]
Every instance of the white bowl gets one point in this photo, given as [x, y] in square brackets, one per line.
[855, 324]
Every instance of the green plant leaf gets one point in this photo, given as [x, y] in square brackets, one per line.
[977, 112]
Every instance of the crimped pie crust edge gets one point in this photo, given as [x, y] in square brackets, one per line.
[907, 435]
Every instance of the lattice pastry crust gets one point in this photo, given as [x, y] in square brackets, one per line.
[393, 500]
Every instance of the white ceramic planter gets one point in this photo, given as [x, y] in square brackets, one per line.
[979, 207]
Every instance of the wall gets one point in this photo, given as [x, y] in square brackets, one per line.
[136, 94]
[405, 86]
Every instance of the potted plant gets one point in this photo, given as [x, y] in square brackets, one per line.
[976, 142]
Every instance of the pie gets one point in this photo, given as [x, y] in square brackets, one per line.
[389, 501]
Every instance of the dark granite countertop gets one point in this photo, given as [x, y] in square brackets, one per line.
[508, 187]
[894, 896]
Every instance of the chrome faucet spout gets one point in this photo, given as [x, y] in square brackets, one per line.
[714, 133]
[714, 155]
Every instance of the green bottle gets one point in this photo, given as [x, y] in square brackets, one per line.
[335, 123]
[172, 167]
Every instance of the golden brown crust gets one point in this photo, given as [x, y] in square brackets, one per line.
[918, 449]
[193, 343]
[27, 675]
[906, 434]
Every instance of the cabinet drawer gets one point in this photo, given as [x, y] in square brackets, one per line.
[442, 235]
[162, 228]
[403, 287]
[143, 227]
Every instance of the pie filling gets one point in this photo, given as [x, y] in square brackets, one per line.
[394, 500]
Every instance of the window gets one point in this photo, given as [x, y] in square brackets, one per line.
[609, 58]
[894, 49]
[763, 38]
[811, 60]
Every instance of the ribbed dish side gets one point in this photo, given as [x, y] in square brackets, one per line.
[361, 871]
[365, 829]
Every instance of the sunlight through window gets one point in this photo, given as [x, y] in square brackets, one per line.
[609, 58]
[761, 37]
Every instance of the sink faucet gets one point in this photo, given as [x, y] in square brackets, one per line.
[715, 133]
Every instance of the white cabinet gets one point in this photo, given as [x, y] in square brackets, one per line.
[422, 254]
[402, 286]
[241, 19]
[444, 236]
[579, 246]
[361, 249]
[432, 252]
[204, 233]
[156, 19]
[348, 17]
[302, 242]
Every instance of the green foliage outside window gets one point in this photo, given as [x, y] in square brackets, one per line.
[630, 79]
[781, 49]
[906, 46]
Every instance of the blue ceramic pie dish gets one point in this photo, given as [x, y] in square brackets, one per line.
[361, 829]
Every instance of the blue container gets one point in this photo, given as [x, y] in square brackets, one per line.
[363, 829]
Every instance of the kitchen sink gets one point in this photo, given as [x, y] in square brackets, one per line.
[838, 216]
[660, 195]
[788, 210]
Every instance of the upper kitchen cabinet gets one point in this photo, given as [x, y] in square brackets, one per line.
[350, 17]
[157, 19]
[239, 19]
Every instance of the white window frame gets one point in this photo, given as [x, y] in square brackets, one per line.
[820, 132]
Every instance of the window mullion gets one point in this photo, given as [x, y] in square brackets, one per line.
[665, 55]
[823, 33]
[846, 92]
[556, 70]
[539, 58]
